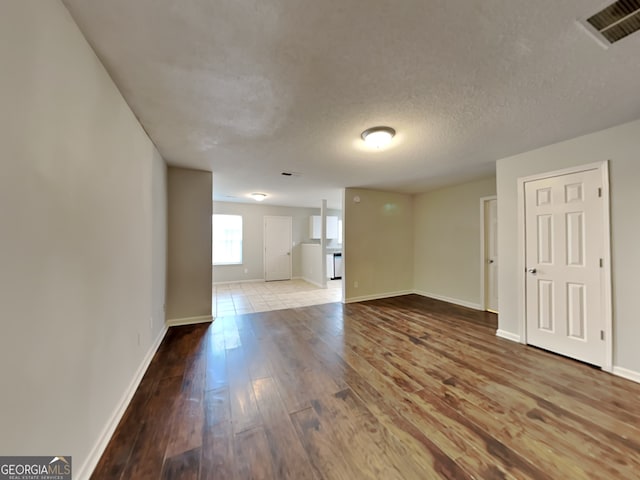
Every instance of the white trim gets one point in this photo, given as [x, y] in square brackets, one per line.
[514, 337]
[521, 253]
[252, 280]
[603, 167]
[607, 294]
[176, 322]
[483, 259]
[626, 373]
[107, 432]
[319, 285]
[455, 301]
[377, 296]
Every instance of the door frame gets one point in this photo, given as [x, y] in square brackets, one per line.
[264, 244]
[605, 286]
[483, 259]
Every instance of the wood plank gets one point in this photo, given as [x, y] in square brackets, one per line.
[252, 455]
[326, 456]
[217, 455]
[405, 387]
[290, 460]
[184, 466]
[257, 360]
[216, 361]
[148, 452]
[475, 400]
[244, 410]
[370, 447]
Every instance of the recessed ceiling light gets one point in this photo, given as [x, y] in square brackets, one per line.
[258, 197]
[378, 137]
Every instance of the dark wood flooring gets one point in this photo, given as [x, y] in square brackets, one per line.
[402, 388]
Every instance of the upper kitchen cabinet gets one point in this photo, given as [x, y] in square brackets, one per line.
[315, 227]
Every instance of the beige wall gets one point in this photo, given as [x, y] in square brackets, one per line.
[447, 242]
[82, 221]
[189, 244]
[621, 145]
[253, 238]
[378, 244]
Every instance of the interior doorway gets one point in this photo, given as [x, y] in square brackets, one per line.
[277, 248]
[566, 263]
[489, 248]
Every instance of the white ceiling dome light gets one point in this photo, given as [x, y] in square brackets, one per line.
[258, 197]
[378, 137]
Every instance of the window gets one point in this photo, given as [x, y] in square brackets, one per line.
[227, 239]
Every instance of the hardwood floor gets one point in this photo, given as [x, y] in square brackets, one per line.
[402, 388]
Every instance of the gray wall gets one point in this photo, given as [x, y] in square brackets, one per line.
[189, 244]
[621, 145]
[83, 229]
[447, 241]
[253, 233]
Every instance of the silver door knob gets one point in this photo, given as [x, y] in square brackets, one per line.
[532, 270]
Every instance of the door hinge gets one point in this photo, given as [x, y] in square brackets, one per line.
[601, 263]
[601, 334]
[599, 191]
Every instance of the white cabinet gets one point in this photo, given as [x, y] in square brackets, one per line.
[315, 226]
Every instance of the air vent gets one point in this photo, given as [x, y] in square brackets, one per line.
[615, 22]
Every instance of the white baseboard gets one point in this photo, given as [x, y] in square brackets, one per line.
[107, 432]
[455, 301]
[626, 373]
[251, 280]
[377, 296]
[508, 335]
[176, 322]
[319, 285]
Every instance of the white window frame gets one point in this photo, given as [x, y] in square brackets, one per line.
[216, 241]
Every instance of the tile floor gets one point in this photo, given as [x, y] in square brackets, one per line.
[238, 298]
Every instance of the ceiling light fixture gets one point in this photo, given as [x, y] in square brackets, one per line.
[258, 197]
[378, 137]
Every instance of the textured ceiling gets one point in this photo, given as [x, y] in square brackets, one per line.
[248, 88]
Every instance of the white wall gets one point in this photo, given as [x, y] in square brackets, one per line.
[312, 263]
[253, 238]
[621, 146]
[189, 245]
[378, 244]
[82, 233]
[447, 242]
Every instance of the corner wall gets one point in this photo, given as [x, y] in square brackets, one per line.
[83, 228]
[620, 145]
[447, 252]
[189, 246]
[378, 244]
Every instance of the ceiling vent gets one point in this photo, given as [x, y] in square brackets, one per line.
[615, 22]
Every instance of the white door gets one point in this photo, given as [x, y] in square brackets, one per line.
[564, 249]
[491, 254]
[277, 248]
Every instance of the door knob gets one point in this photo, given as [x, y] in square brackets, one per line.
[532, 270]
[490, 261]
